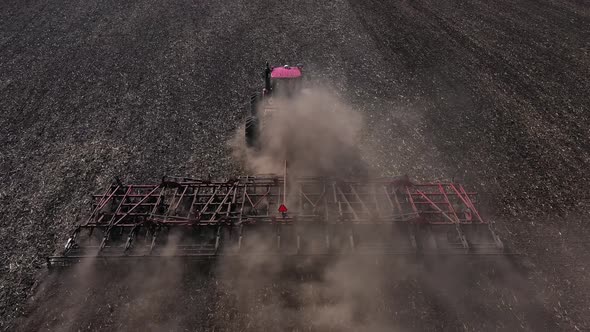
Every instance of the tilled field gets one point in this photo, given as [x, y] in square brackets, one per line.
[493, 92]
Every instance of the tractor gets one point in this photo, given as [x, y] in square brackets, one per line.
[281, 82]
[288, 215]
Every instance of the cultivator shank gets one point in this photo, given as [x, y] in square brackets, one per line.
[270, 215]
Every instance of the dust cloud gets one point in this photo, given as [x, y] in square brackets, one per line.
[316, 133]
[318, 136]
[345, 294]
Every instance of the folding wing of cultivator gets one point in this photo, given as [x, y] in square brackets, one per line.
[265, 215]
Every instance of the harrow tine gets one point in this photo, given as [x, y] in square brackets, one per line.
[71, 242]
[130, 239]
[153, 244]
[217, 238]
[103, 243]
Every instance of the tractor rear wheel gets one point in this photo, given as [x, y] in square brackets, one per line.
[251, 131]
[254, 104]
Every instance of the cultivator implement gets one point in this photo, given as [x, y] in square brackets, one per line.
[265, 215]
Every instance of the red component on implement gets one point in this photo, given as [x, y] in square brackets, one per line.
[283, 208]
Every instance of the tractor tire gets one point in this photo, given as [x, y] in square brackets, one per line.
[252, 131]
[254, 104]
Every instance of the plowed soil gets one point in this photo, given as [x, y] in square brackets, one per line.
[493, 93]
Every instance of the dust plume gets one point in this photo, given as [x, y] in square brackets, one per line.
[116, 294]
[349, 293]
[316, 133]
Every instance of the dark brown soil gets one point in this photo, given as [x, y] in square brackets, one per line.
[492, 92]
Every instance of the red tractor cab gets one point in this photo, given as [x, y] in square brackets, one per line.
[282, 81]
[279, 82]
